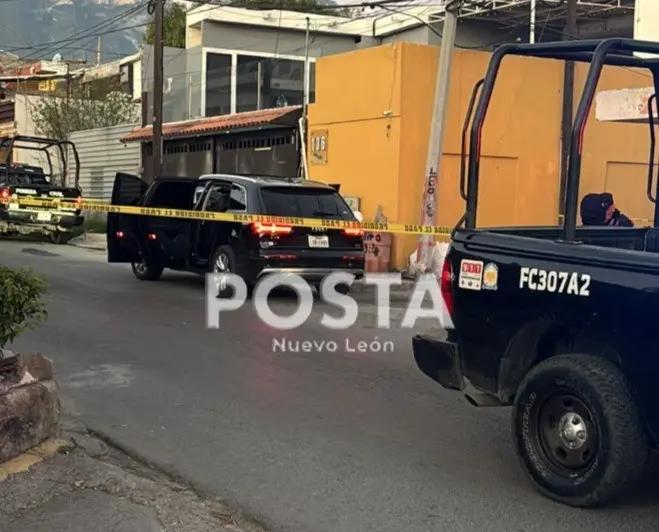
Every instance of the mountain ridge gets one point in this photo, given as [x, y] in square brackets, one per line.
[39, 29]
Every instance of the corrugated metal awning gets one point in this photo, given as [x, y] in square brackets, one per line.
[283, 116]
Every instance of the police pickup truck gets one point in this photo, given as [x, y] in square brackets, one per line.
[19, 181]
[152, 243]
[558, 323]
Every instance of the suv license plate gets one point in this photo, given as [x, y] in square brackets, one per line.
[44, 216]
[318, 242]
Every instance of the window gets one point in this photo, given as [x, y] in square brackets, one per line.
[266, 83]
[198, 192]
[173, 195]
[238, 200]
[218, 84]
[305, 203]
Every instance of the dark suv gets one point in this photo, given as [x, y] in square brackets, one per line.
[249, 249]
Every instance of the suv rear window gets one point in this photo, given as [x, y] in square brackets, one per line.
[305, 203]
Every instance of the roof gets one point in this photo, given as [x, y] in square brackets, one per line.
[267, 180]
[372, 23]
[282, 116]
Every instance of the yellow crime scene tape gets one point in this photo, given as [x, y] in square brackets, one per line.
[330, 223]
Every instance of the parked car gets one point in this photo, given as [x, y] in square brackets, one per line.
[152, 244]
[23, 181]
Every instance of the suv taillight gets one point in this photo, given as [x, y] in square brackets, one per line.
[446, 285]
[271, 229]
[354, 232]
[5, 193]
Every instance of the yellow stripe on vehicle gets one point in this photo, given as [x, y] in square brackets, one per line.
[329, 223]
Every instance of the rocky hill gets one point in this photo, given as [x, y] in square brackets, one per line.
[39, 29]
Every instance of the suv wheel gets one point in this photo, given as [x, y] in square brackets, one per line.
[147, 272]
[577, 431]
[341, 288]
[224, 261]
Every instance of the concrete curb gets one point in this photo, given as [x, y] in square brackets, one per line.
[94, 241]
[25, 461]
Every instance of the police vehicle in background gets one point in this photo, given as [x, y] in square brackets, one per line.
[558, 322]
[152, 244]
[23, 181]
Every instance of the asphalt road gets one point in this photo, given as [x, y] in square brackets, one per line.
[302, 441]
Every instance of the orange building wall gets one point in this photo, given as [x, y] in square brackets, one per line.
[376, 105]
[358, 103]
[615, 155]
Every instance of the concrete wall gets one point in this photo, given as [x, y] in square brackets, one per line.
[376, 106]
[194, 68]
[102, 156]
[470, 34]
[24, 106]
[177, 78]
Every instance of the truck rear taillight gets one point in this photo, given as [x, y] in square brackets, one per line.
[446, 285]
[271, 229]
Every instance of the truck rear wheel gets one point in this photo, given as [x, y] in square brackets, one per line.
[577, 431]
[60, 238]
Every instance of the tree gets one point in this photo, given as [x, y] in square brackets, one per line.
[58, 116]
[173, 27]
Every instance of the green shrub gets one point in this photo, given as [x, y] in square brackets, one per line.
[22, 306]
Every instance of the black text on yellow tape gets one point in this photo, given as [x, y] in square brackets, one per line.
[330, 223]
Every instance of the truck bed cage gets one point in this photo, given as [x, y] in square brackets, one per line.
[599, 53]
[25, 142]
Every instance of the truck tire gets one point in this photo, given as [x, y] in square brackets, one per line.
[60, 238]
[577, 431]
[147, 272]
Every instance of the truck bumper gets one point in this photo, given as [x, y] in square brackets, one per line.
[58, 220]
[440, 360]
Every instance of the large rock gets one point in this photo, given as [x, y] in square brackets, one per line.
[29, 410]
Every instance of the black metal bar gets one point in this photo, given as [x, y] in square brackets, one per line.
[76, 158]
[560, 49]
[8, 158]
[63, 160]
[477, 129]
[576, 136]
[465, 129]
[655, 76]
[651, 100]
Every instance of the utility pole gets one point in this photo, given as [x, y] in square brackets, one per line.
[532, 22]
[158, 87]
[98, 50]
[568, 105]
[304, 122]
[436, 140]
